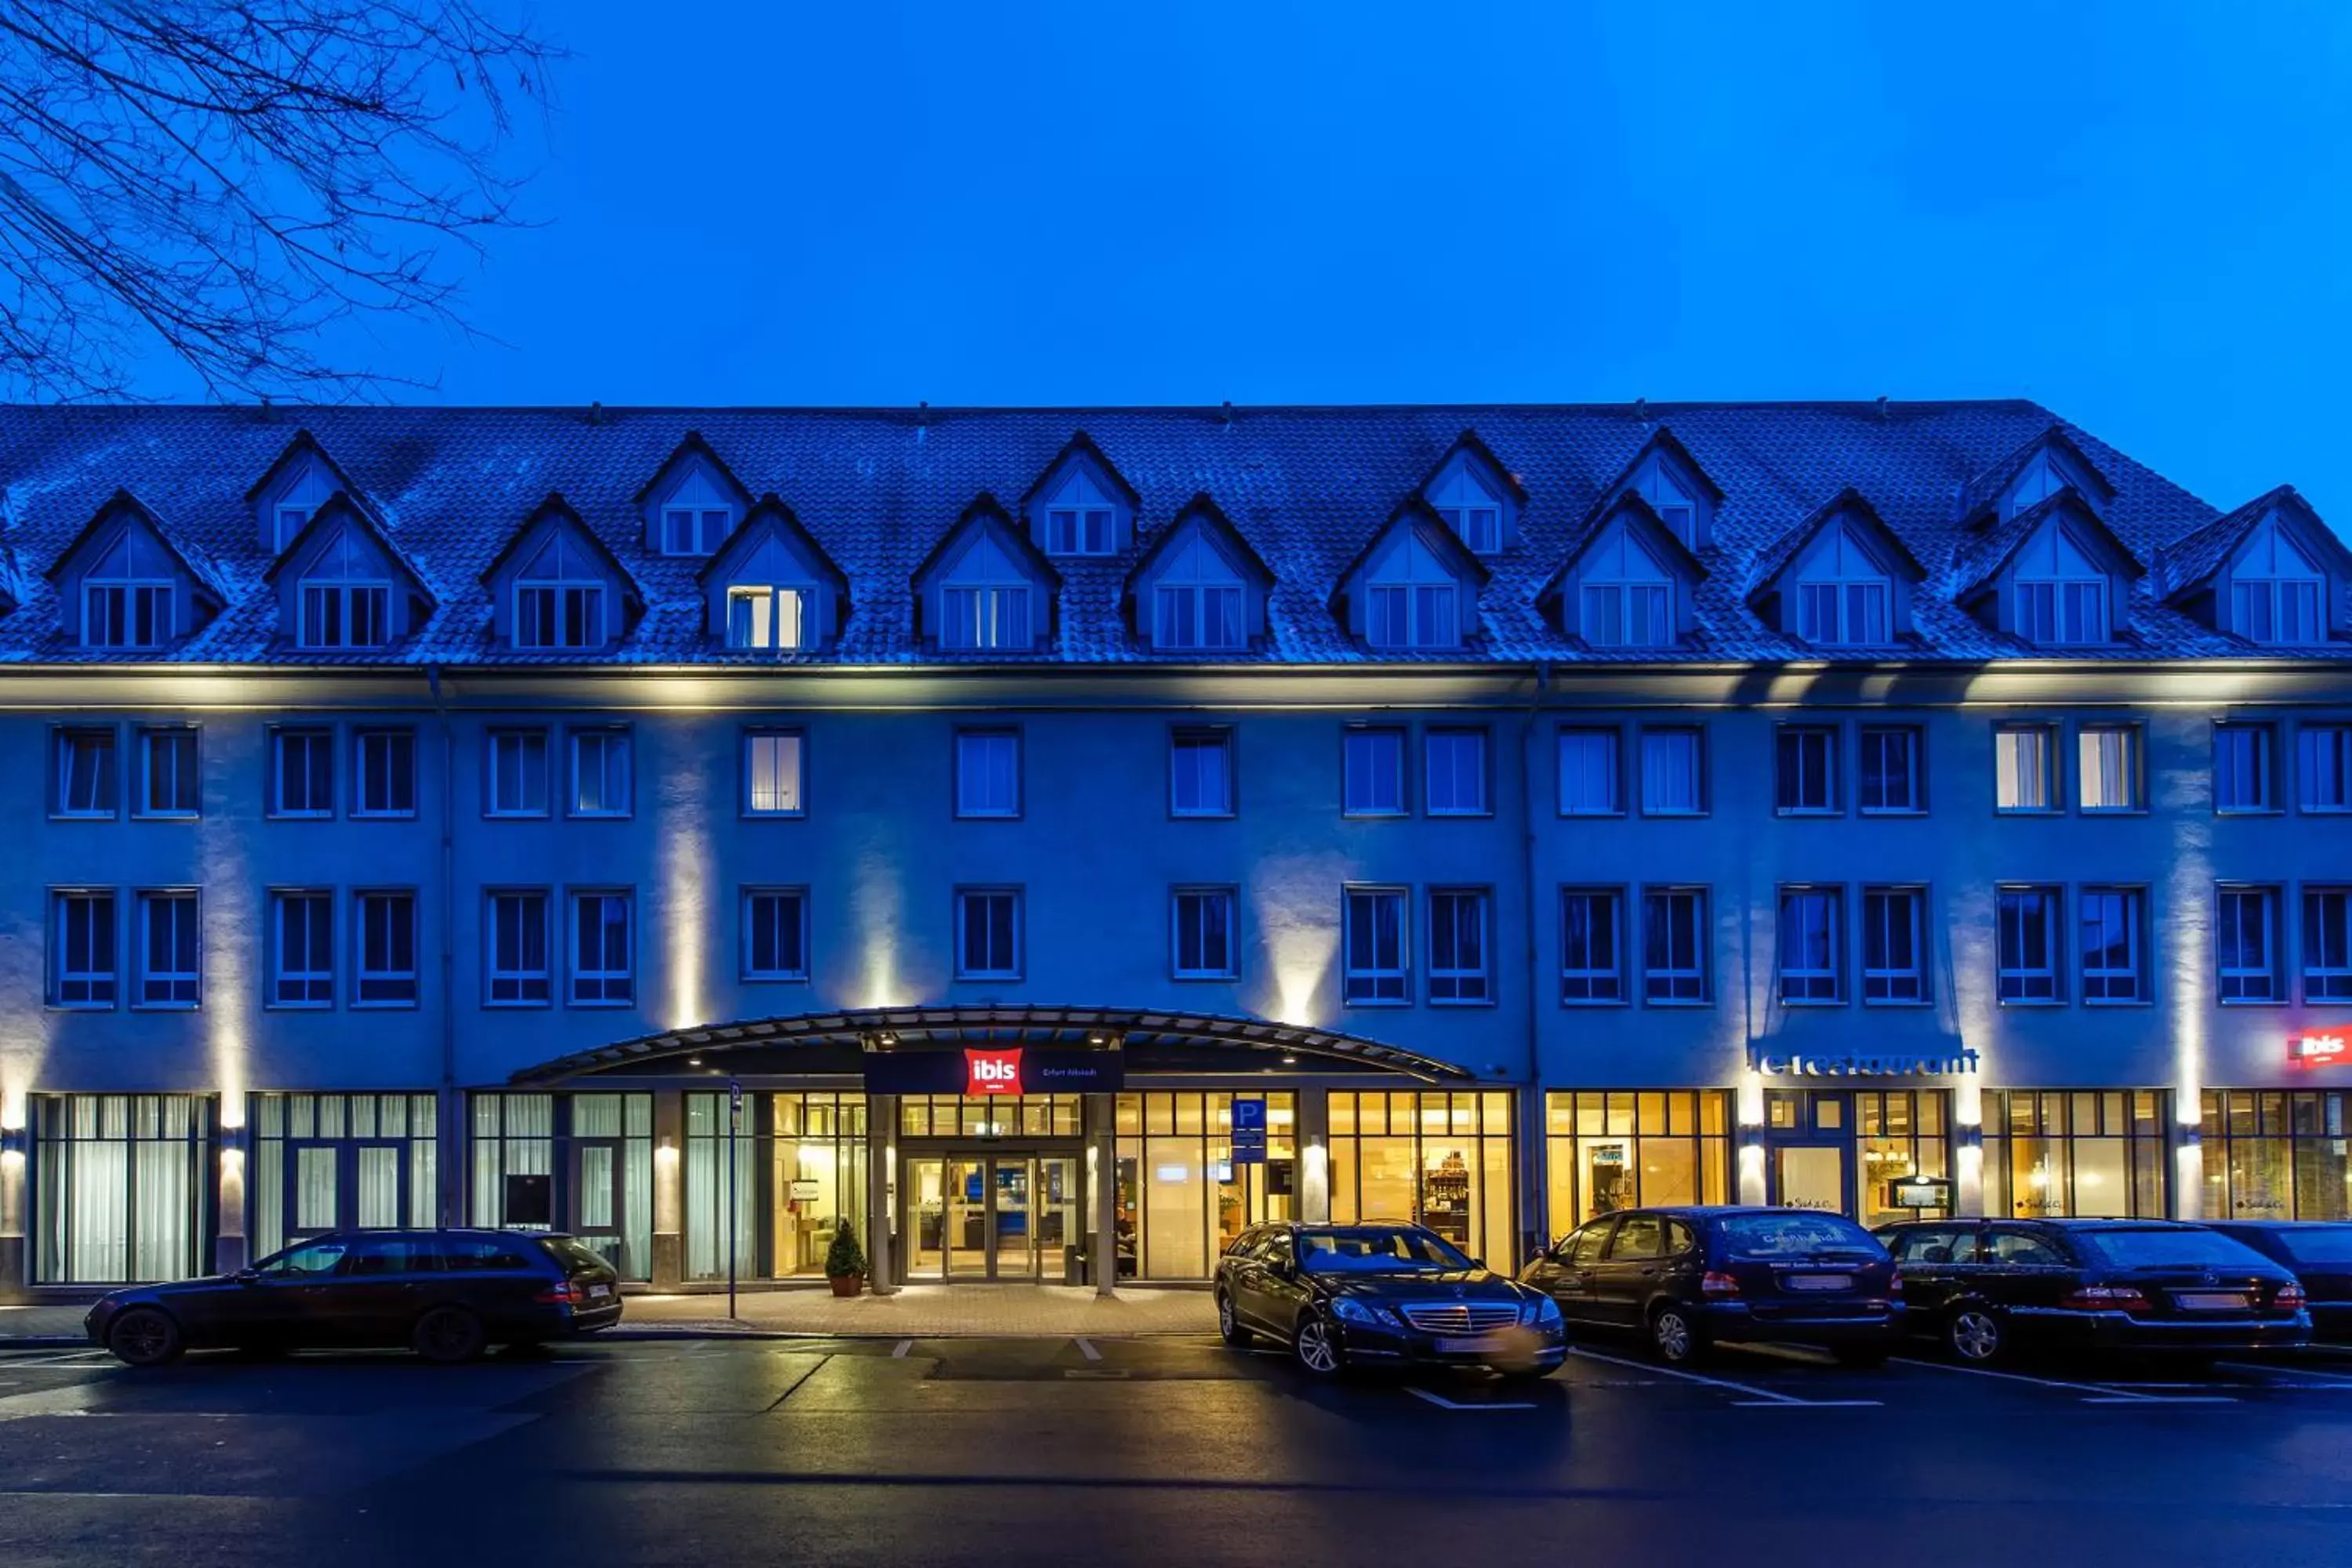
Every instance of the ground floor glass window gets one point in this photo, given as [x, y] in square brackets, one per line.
[2277, 1154]
[2084, 1152]
[818, 1168]
[580, 1163]
[990, 1115]
[1436, 1159]
[1181, 1196]
[341, 1162]
[1902, 1134]
[1606, 1150]
[123, 1187]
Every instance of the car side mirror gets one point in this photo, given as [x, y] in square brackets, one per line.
[249, 1276]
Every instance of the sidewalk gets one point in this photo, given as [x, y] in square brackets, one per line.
[915, 1311]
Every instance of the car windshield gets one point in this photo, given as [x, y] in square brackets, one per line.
[2172, 1249]
[1367, 1250]
[2322, 1244]
[1798, 1233]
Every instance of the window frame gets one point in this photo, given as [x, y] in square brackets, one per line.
[312, 976]
[492, 736]
[797, 895]
[1376, 978]
[2311, 934]
[144, 901]
[747, 780]
[1701, 980]
[591, 593]
[346, 592]
[576, 976]
[59, 978]
[1615, 974]
[1419, 634]
[2053, 770]
[154, 595]
[1615, 736]
[998, 597]
[518, 976]
[1017, 932]
[2088, 983]
[321, 736]
[363, 976]
[1218, 738]
[1833, 978]
[803, 597]
[697, 519]
[1915, 894]
[62, 737]
[1915, 746]
[1230, 896]
[1482, 740]
[2269, 897]
[1701, 794]
[2134, 737]
[143, 794]
[2263, 735]
[362, 734]
[2339, 737]
[2053, 898]
[1830, 738]
[1398, 735]
[1013, 811]
[1482, 901]
[606, 735]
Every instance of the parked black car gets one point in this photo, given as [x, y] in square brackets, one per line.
[1987, 1286]
[447, 1294]
[2318, 1253]
[1689, 1279]
[1356, 1296]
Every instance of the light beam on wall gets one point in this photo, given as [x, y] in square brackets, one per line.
[687, 883]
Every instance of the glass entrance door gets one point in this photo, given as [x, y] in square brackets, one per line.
[1810, 1176]
[994, 1217]
[969, 1254]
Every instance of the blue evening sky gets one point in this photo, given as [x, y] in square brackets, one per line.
[2134, 213]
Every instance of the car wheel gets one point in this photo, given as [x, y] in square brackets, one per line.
[1229, 1326]
[1975, 1336]
[448, 1335]
[1315, 1349]
[145, 1336]
[1675, 1337]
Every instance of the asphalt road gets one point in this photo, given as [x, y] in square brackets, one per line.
[1154, 1450]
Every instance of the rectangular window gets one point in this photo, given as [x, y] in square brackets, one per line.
[2113, 966]
[1411, 614]
[385, 760]
[1850, 615]
[602, 947]
[695, 529]
[81, 949]
[600, 773]
[2029, 937]
[759, 616]
[126, 615]
[518, 773]
[85, 772]
[772, 760]
[1590, 774]
[988, 933]
[1197, 616]
[2063, 614]
[2324, 765]
[2245, 940]
[1203, 933]
[1674, 944]
[1078, 530]
[1373, 758]
[301, 772]
[1457, 946]
[386, 972]
[302, 949]
[168, 784]
[1894, 944]
[2108, 763]
[1811, 939]
[2243, 760]
[775, 934]
[2328, 944]
[1590, 969]
[2024, 759]
[1628, 614]
[988, 772]
[520, 974]
[558, 614]
[1807, 769]
[170, 944]
[984, 618]
[1892, 778]
[345, 614]
[1457, 763]
[1201, 772]
[1376, 946]
[1673, 771]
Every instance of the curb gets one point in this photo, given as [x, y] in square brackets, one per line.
[643, 1335]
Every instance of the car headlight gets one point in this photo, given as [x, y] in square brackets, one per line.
[1542, 1310]
[1349, 1309]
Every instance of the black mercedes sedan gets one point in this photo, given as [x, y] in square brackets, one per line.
[447, 1294]
[1986, 1287]
[1346, 1297]
[2319, 1255]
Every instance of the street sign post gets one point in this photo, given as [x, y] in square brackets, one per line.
[1249, 1131]
[734, 1125]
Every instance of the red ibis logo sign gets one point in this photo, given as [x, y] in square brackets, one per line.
[2317, 1050]
[993, 1072]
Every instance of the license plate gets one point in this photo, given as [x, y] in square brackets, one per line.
[1483, 1343]
[597, 1292]
[2210, 1301]
[1820, 1282]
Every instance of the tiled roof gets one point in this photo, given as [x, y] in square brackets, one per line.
[879, 488]
[1774, 558]
[1977, 497]
[1977, 558]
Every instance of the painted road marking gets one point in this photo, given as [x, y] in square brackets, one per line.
[2328, 1379]
[1444, 1404]
[1756, 1396]
[898, 1352]
[1086, 1348]
[2097, 1393]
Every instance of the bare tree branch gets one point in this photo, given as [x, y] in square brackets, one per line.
[221, 180]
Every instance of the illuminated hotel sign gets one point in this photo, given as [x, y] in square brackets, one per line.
[993, 1072]
[995, 1069]
[1860, 1063]
[2318, 1050]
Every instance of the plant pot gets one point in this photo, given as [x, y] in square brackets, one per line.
[845, 1284]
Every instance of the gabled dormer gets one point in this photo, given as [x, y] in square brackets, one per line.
[1476, 496]
[1413, 588]
[344, 586]
[1680, 495]
[1628, 582]
[2030, 475]
[693, 502]
[771, 588]
[556, 589]
[294, 487]
[1839, 579]
[1081, 505]
[1200, 588]
[2053, 575]
[2271, 572]
[985, 587]
[124, 585]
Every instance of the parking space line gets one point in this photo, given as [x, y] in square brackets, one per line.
[1086, 1348]
[2099, 1393]
[2327, 1379]
[1756, 1395]
[1444, 1404]
[898, 1352]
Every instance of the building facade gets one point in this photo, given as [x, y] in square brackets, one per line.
[1037, 837]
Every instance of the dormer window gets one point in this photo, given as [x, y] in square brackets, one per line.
[1412, 601]
[692, 502]
[695, 529]
[291, 491]
[559, 600]
[290, 521]
[984, 616]
[2037, 483]
[1674, 506]
[1844, 614]
[345, 602]
[1680, 495]
[767, 617]
[986, 587]
[1467, 507]
[2277, 593]
[1197, 602]
[125, 613]
[2062, 612]
[1081, 519]
[1627, 599]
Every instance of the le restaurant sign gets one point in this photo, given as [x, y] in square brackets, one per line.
[1861, 1064]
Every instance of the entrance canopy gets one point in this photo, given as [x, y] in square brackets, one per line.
[839, 1042]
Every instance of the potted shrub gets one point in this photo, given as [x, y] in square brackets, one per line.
[845, 1261]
